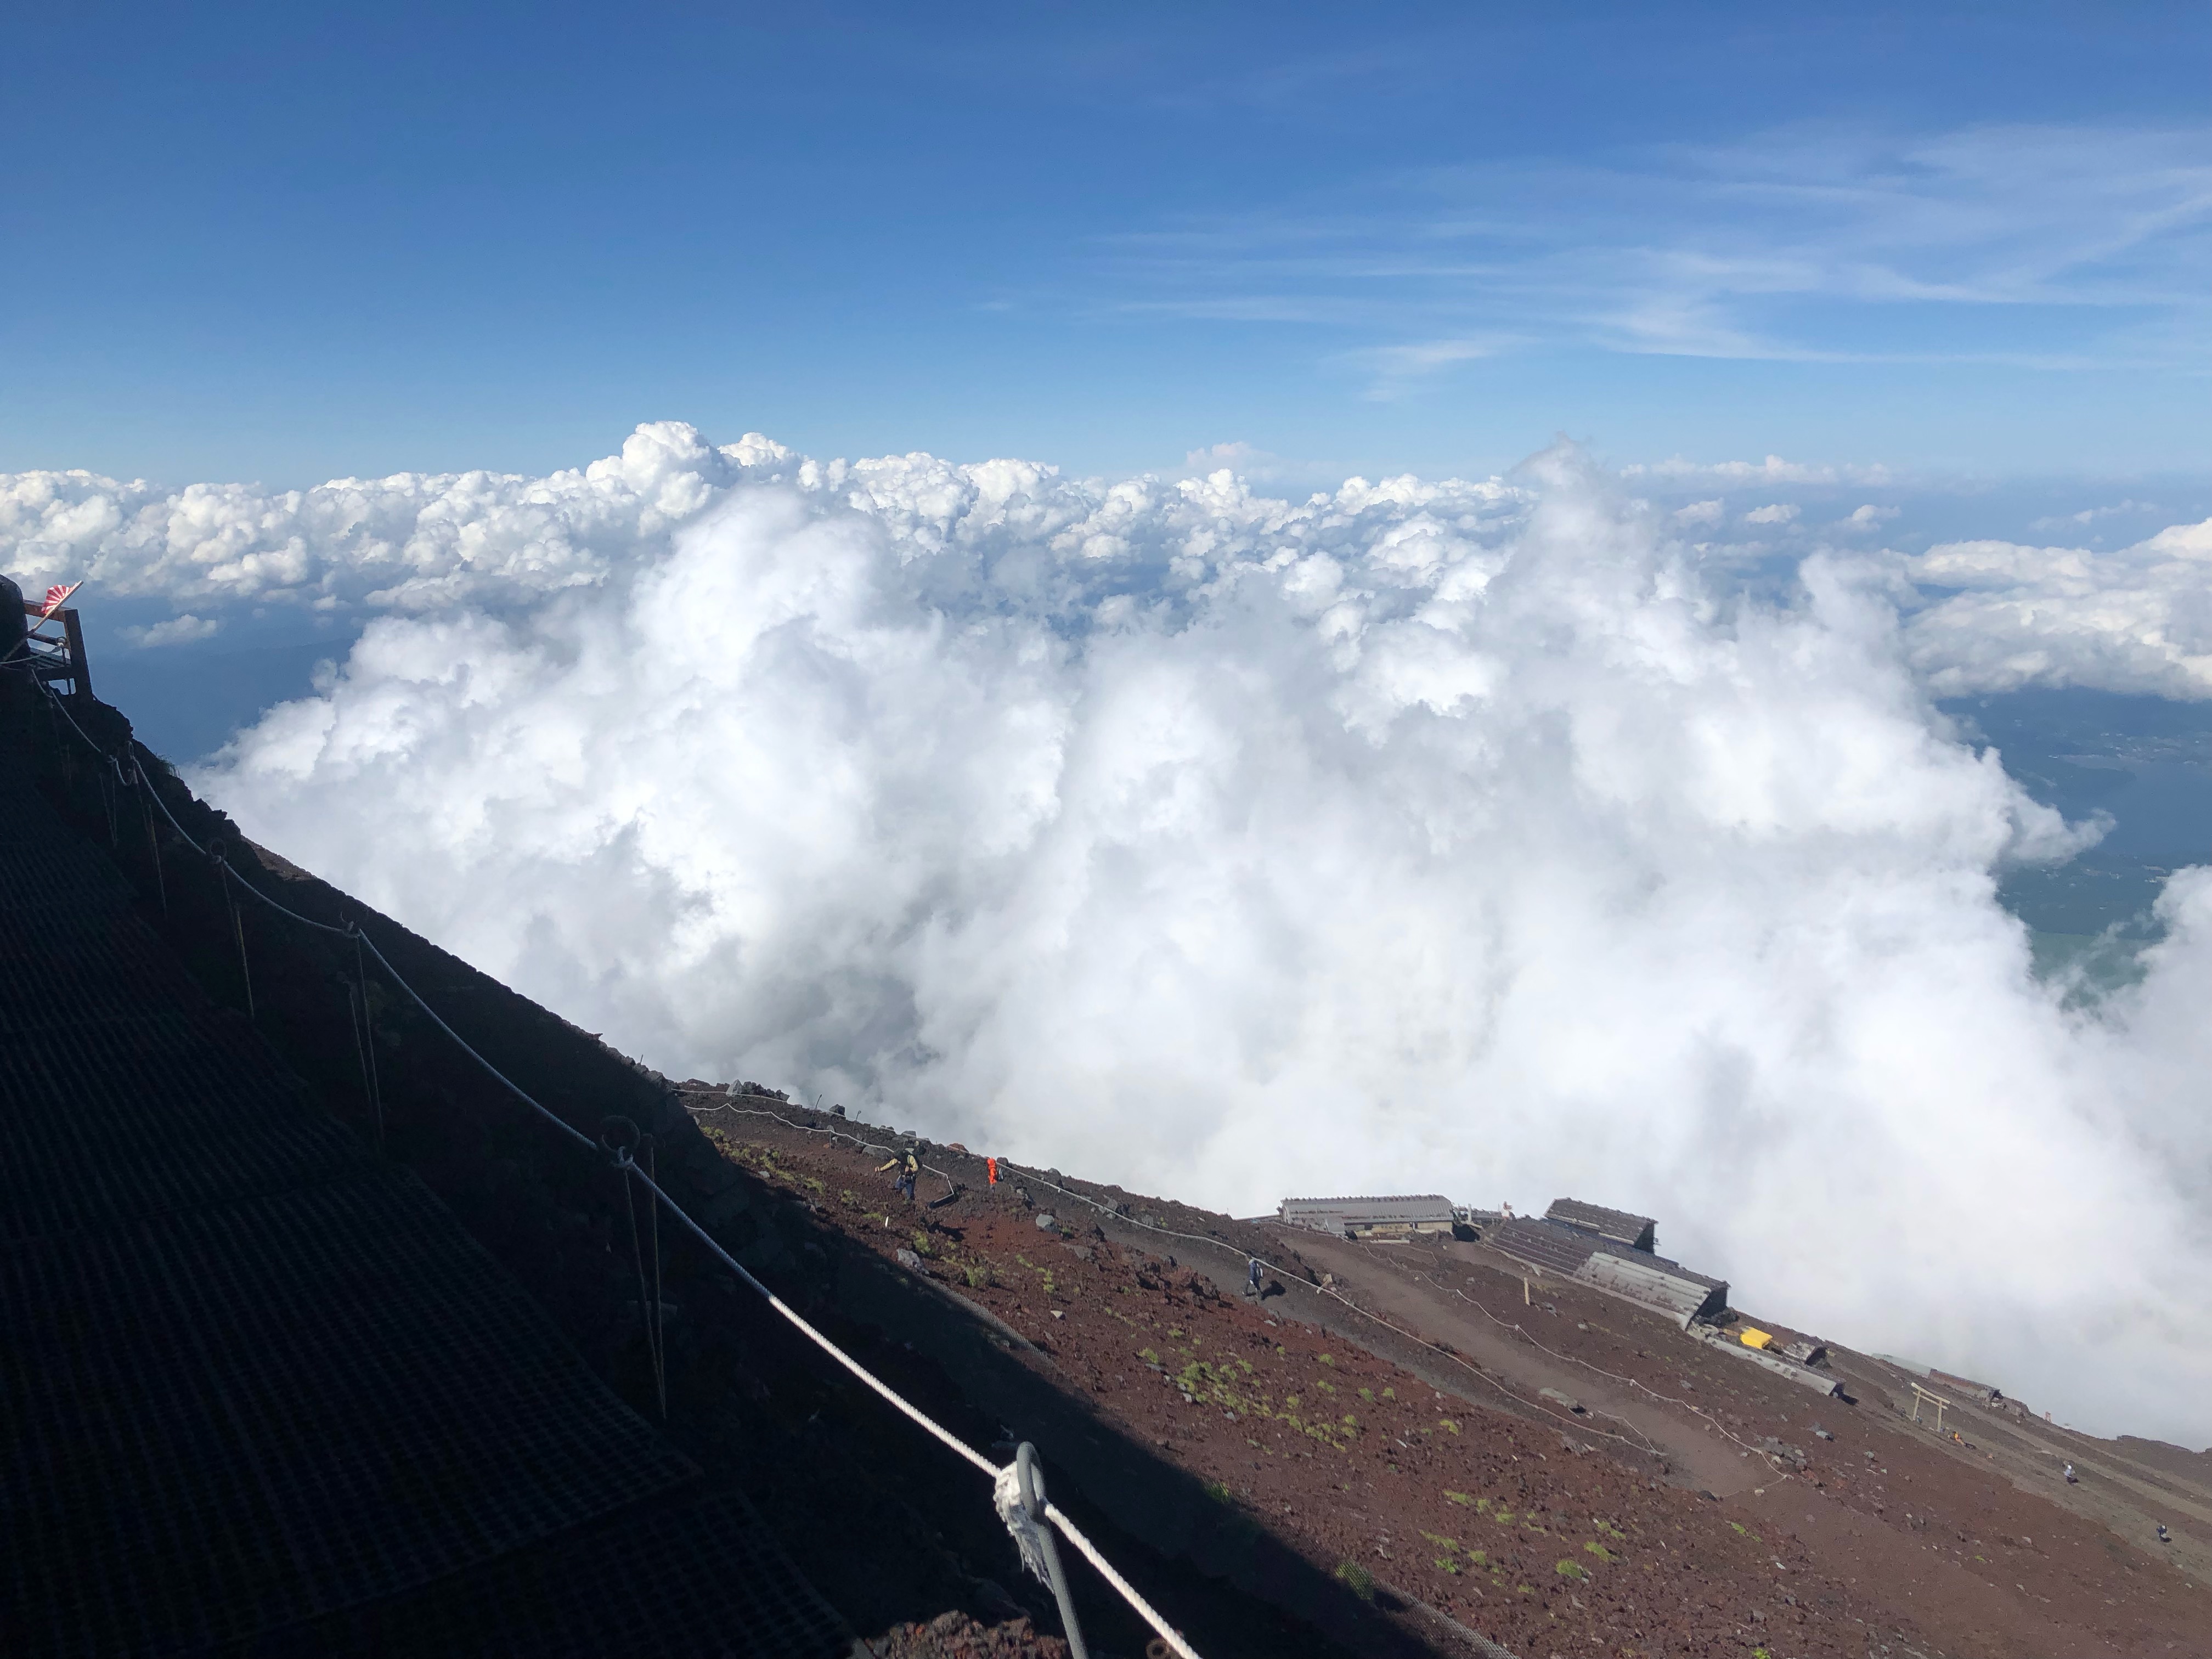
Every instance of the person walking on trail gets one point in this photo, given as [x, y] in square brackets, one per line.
[907, 1176]
[1254, 1276]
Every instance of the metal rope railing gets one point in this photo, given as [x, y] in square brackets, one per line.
[620, 1154]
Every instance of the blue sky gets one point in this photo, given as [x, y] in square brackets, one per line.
[283, 243]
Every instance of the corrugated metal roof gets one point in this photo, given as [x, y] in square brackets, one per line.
[1541, 1244]
[1686, 1295]
[1563, 1249]
[1333, 1214]
[1638, 1232]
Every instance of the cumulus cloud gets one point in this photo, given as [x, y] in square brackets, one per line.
[184, 629]
[1777, 513]
[2135, 619]
[1699, 513]
[1458, 833]
[410, 542]
[1868, 517]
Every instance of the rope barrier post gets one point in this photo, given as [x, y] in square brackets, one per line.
[237, 927]
[621, 1140]
[368, 1038]
[145, 787]
[660, 1335]
[356, 1017]
[54, 725]
[1034, 1537]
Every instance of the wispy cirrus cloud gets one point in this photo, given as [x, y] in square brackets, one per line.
[2038, 246]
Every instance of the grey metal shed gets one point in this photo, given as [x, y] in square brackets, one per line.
[1363, 1218]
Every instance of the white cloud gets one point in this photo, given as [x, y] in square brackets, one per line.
[2069, 245]
[2135, 619]
[1700, 512]
[1868, 517]
[1395, 370]
[1772, 471]
[411, 542]
[2090, 515]
[177, 630]
[1237, 456]
[1458, 834]
[1778, 513]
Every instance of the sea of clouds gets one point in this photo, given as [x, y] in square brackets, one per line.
[1495, 837]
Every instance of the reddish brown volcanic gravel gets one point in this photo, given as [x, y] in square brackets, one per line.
[955, 1636]
[1513, 1525]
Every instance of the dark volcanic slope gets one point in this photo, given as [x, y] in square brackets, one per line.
[254, 1379]
[1372, 1464]
[159, 1121]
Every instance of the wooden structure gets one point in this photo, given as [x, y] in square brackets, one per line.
[59, 657]
[1929, 1397]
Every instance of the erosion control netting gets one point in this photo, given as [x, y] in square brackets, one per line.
[240, 1417]
[114, 1122]
[250, 1376]
[708, 1580]
[124, 1092]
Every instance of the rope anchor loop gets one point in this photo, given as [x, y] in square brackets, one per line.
[1018, 1496]
[618, 1139]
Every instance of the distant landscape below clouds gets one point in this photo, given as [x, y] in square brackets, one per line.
[1659, 833]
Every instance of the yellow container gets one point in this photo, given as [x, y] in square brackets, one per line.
[1752, 1339]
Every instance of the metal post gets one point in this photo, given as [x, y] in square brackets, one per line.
[356, 1017]
[154, 845]
[1031, 1480]
[368, 1040]
[660, 1334]
[237, 927]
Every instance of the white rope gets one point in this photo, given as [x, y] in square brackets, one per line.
[1000, 1478]
[1074, 1536]
[883, 1390]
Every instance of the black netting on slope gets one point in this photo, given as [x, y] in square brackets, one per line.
[63, 967]
[108, 1123]
[238, 1418]
[707, 1581]
[38, 875]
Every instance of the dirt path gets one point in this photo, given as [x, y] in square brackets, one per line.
[1421, 1461]
[1976, 1538]
[1484, 1321]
